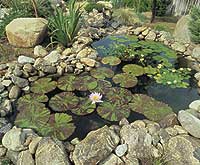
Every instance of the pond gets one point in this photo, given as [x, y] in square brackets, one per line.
[137, 80]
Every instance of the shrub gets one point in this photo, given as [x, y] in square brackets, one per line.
[194, 25]
[64, 28]
[92, 5]
[161, 7]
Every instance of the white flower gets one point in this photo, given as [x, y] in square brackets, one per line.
[181, 69]
[169, 82]
[175, 81]
[95, 97]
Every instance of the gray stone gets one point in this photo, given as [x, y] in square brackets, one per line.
[177, 46]
[195, 105]
[14, 92]
[189, 123]
[196, 53]
[34, 144]
[2, 151]
[181, 31]
[26, 32]
[21, 82]
[25, 158]
[28, 68]
[3, 67]
[151, 36]
[1, 87]
[112, 160]
[25, 60]
[95, 147]
[12, 155]
[50, 152]
[39, 51]
[52, 57]
[49, 69]
[17, 71]
[121, 150]
[179, 150]
[6, 83]
[14, 139]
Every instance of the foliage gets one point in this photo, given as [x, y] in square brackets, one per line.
[162, 27]
[195, 24]
[161, 7]
[63, 27]
[149, 107]
[125, 16]
[92, 5]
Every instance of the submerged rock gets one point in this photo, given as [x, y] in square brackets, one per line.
[190, 123]
[95, 147]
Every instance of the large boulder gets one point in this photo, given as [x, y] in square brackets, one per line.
[180, 150]
[182, 32]
[26, 32]
[95, 147]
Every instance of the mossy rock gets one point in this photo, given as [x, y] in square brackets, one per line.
[102, 73]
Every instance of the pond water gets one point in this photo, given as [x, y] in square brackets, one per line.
[61, 107]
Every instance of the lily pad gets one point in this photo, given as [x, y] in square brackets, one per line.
[102, 73]
[102, 86]
[61, 126]
[125, 80]
[66, 83]
[150, 70]
[43, 85]
[111, 60]
[84, 83]
[133, 69]
[63, 101]
[154, 110]
[113, 111]
[84, 107]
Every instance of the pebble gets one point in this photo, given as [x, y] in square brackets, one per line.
[14, 93]
[6, 83]
[121, 150]
[25, 59]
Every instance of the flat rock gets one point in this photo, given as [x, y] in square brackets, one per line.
[52, 57]
[179, 150]
[88, 62]
[26, 32]
[95, 147]
[40, 51]
[51, 152]
[25, 60]
[190, 123]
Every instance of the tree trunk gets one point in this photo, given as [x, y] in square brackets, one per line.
[153, 10]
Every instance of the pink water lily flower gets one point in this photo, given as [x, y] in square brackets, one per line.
[95, 97]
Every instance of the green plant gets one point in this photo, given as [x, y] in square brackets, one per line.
[162, 27]
[92, 5]
[64, 28]
[194, 24]
[161, 7]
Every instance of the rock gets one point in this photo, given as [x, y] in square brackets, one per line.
[17, 71]
[34, 144]
[25, 158]
[189, 123]
[50, 152]
[14, 93]
[138, 124]
[181, 31]
[26, 32]
[67, 52]
[180, 130]
[12, 155]
[99, 144]
[14, 139]
[53, 57]
[79, 65]
[195, 105]
[3, 67]
[88, 62]
[179, 150]
[28, 68]
[139, 143]
[151, 36]
[171, 131]
[75, 141]
[6, 83]
[112, 160]
[49, 69]
[2, 151]
[20, 82]
[25, 60]
[169, 121]
[39, 51]
[146, 32]
[177, 46]
[1, 87]
[121, 150]
[196, 53]
[139, 30]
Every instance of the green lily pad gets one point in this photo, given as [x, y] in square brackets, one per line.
[125, 80]
[154, 110]
[150, 70]
[66, 83]
[43, 85]
[102, 86]
[111, 60]
[84, 107]
[63, 102]
[61, 126]
[35, 118]
[133, 69]
[84, 83]
[113, 111]
[102, 73]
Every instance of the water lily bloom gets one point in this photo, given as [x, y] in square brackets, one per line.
[95, 97]
[169, 82]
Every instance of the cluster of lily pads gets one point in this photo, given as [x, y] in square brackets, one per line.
[53, 116]
[156, 59]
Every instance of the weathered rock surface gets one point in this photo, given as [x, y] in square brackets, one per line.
[50, 152]
[190, 123]
[95, 147]
[177, 46]
[182, 32]
[179, 150]
[195, 105]
[112, 160]
[25, 60]
[25, 158]
[196, 52]
[26, 32]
